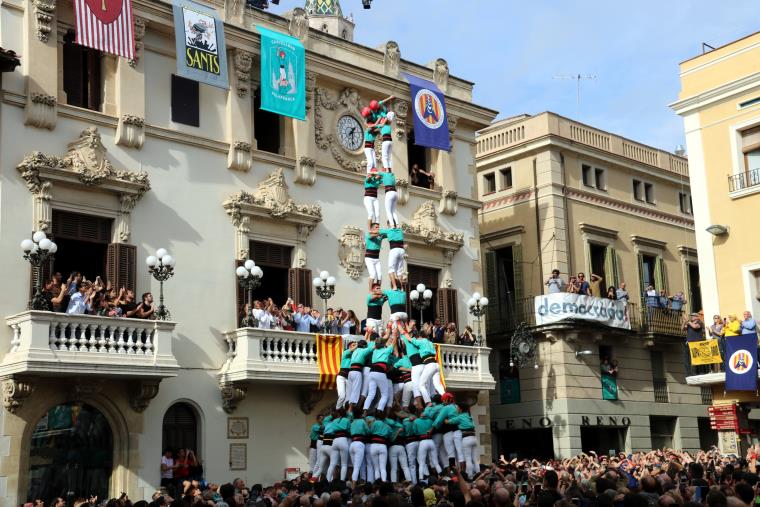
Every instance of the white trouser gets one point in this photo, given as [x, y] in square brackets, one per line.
[354, 386]
[365, 381]
[411, 454]
[429, 374]
[369, 470]
[386, 152]
[427, 452]
[374, 269]
[448, 445]
[356, 450]
[312, 460]
[406, 394]
[398, 457]
[458, 446]
[398, 316]
[470, 450]
[323, 458]
[338, 454]
[440, 449]
[372, 205]
[377, 324]
[396, 260]
[341, 384]
[389, 392]
[379, 453]
[369, 153]
[377, 380]
[416, 375]
[397, 388]
[390, 207]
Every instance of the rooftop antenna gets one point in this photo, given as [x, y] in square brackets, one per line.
[706, 48]
[577, 79]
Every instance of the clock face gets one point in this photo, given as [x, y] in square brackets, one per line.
[349, 132]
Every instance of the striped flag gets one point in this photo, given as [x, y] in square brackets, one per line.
[439, 360]
[106, 25]
[329, 350]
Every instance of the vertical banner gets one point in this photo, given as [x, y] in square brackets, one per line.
[509, 390]
[609, 387]
[741, 362]
[283, 74]
[439, 360]
[431, 126]
[329, 349]
[105, 25]
[199, 37]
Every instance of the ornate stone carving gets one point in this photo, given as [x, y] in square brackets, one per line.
[273, 196]
[347, 101]
[139, 27]
[41, 110]
[299, 255]
[401, 109]
[449, 204]
[392, 58]
[351, 251]
[15, 392]
[44, 13]
[424, 226]
[239, 156]
[311, 84]
[441, 74]
[299, 24]
[232, 394]
[235, 11]
[242, 61]
[402, 190]
[309, 397]
[306, 171]
[130, 132]
[448, 259]
[141, 392]
[452, 124]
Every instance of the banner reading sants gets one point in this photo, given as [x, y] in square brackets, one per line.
[552, 308]
[201, 51]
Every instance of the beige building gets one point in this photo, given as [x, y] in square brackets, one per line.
[558, 194]
[720, 106]
[100, 153]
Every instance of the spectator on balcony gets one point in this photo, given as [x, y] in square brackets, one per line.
[584, 288]
[611, 293]
[349, 323]
[436, 332]
[622, 294]
[261, 312]
[318, 324]
[55, 295]
[81, 301]
[74, 280]
[595, 285]
[695, 332]
[555, 283]
[467, 337]
[127, 302]
[651, 300]
[733, 327]
[677, 301]
[411, 326]
[146, 309]
[663, 301]
[286, 318]
[304, 320]
[748, 325]
[573, 286]
[331, 322]
[716, 332]
[450, 334]
[420, 178]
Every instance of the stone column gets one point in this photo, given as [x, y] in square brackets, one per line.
[303, 135]
[130, 91]
[240, 111]
[399, 159]
[40, 60]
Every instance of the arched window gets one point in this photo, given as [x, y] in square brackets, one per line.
[180, 429]
[71, 453]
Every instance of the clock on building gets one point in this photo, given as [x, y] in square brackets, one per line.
[350, 132]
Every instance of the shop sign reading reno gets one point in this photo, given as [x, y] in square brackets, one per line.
[552, 308]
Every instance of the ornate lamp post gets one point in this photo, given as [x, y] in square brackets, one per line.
[161, 266]
[477, 305]
[38, 251]
[249, 277]
[324, 284]
[421, 298]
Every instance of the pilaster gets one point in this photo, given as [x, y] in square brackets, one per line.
[240, 111]
[130, 90]
[303, 133]
[400, 140]
[41, 63]
[552, 212]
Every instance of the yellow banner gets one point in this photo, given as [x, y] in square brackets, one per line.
[704, 352]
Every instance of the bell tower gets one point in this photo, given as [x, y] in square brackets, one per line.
[327, 16]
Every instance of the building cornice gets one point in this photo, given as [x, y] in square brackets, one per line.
[648, 242]
[597, 230]
[717, 94]
[627, 207]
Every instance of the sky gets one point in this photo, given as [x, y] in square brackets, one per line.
[514, 50]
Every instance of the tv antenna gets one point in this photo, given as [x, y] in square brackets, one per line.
[577, 78]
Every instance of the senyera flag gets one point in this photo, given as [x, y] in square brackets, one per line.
[106, 25]
[329, 350]
[741, 362]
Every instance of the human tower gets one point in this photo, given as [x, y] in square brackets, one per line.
[375, 417]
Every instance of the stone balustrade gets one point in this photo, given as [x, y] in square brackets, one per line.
[287, 356]
[48, 343]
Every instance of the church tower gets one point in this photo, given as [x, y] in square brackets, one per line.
[327, 16]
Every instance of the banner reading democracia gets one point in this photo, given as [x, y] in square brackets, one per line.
[283, 74]
[199, 37]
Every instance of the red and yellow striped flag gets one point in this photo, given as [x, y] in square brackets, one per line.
[329, 350]
[439, 360]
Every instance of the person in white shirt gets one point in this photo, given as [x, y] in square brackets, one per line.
[262, 315]
[167, 469]
[555, 284]
[81, 301]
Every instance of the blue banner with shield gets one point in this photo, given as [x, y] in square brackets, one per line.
[283, 74]
[431, 125]
[741, 362]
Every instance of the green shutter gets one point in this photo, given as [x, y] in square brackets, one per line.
[610, 267]
[517, 267]
[660, 277]
[493, 293]
[589, 267]
[642, 287]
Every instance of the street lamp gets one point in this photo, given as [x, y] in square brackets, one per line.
[161, 266]
[477, 305]
[249, 277]
[324, 284]
[38, 251]
[421, 298]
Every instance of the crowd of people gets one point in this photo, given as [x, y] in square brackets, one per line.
[660, 478]
[79, 296]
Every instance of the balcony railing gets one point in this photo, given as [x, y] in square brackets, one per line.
[285, 356]
[47, 343]
[744, 180]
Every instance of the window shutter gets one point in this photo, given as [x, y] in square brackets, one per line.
[447, 305]
[81, 227]
[660, 277]
[299, 285]
[121, 263]
[642, 287]
[518, 271]
[185, 101]
[492, 292]
[610, 267]
[241, 298]
[268, 254]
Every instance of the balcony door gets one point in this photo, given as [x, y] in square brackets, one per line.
[82, 243]
[275, 262]
[428, 277]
